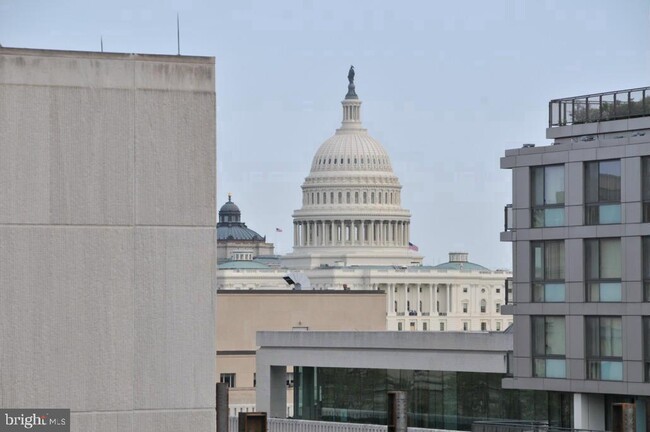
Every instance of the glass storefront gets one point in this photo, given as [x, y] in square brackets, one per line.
[444, 400]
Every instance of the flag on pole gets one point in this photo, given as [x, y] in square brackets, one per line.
[278, 230]
[413, 247]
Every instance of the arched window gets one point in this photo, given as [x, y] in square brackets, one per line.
[386, 197]
[340, 198]
[332, 197]
[324, 197]
[348, 198]
[379, 196]
[372, 198]
[483, 306]
[395, 305]
[312, 198]
[317, 198]
[408, 305]
[365, 198]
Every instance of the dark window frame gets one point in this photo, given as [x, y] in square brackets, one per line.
[599, 279]
[534, 207]
[597, 359]
[593, 207]
[545, 279]
[545, 355]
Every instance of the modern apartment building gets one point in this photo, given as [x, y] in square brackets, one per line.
[579, 224]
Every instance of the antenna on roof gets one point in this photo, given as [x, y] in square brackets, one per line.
[178, 34]
[101, 42]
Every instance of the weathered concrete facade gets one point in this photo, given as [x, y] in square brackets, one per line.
[107, 256]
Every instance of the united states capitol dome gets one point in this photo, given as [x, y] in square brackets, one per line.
[351, 201]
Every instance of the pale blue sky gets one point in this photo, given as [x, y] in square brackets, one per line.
[447, 87]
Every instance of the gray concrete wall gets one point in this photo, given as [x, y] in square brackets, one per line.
[107, 228]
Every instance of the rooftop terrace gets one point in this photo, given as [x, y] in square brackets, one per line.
[614, 105]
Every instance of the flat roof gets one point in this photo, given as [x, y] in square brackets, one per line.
[107, 55]
[296, 292]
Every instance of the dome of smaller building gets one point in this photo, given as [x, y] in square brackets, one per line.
[230, 226]
[229, 212]
[238, 232]
[458, 261]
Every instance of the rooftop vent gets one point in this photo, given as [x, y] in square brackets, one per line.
[528, 145]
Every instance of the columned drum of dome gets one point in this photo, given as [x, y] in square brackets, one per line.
[351, 202]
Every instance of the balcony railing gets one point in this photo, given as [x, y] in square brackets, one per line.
[508, 224]
[509, 284]
[621, 104]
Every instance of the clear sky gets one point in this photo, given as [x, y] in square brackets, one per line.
[447, 87]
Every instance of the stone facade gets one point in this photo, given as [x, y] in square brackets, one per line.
[107, 216]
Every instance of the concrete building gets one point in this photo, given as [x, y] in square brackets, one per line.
[107, 227]
[581, 248]
[240, 314]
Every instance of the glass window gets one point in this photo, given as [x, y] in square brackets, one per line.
[228, 378]
[483, 326]
[603, 269]
[604, 348]
[548, 271]
[442, 326]
[483, 306]
[549, 346]
[498, 308]
[547, 195]
[465, 326]
[464, 307]
[645, 186]
[399, 326]
[424, 326]
[646, 268]
[603, 192]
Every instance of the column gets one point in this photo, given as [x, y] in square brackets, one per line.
[331, 241]
[308, 239]
[417, 306]
[362, 233]
[324, 236]
[449, 299]
[432, 303]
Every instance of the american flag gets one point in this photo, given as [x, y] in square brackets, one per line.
[413, 247]
[278, 230]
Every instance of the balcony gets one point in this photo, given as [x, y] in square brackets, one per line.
[616, 105]
[508, 218]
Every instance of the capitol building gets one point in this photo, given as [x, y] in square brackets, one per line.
[352, 233]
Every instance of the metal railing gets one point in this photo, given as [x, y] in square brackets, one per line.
[521, 426]
[615, 105]
[509, 285]
[292, 425]
[507, 218]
